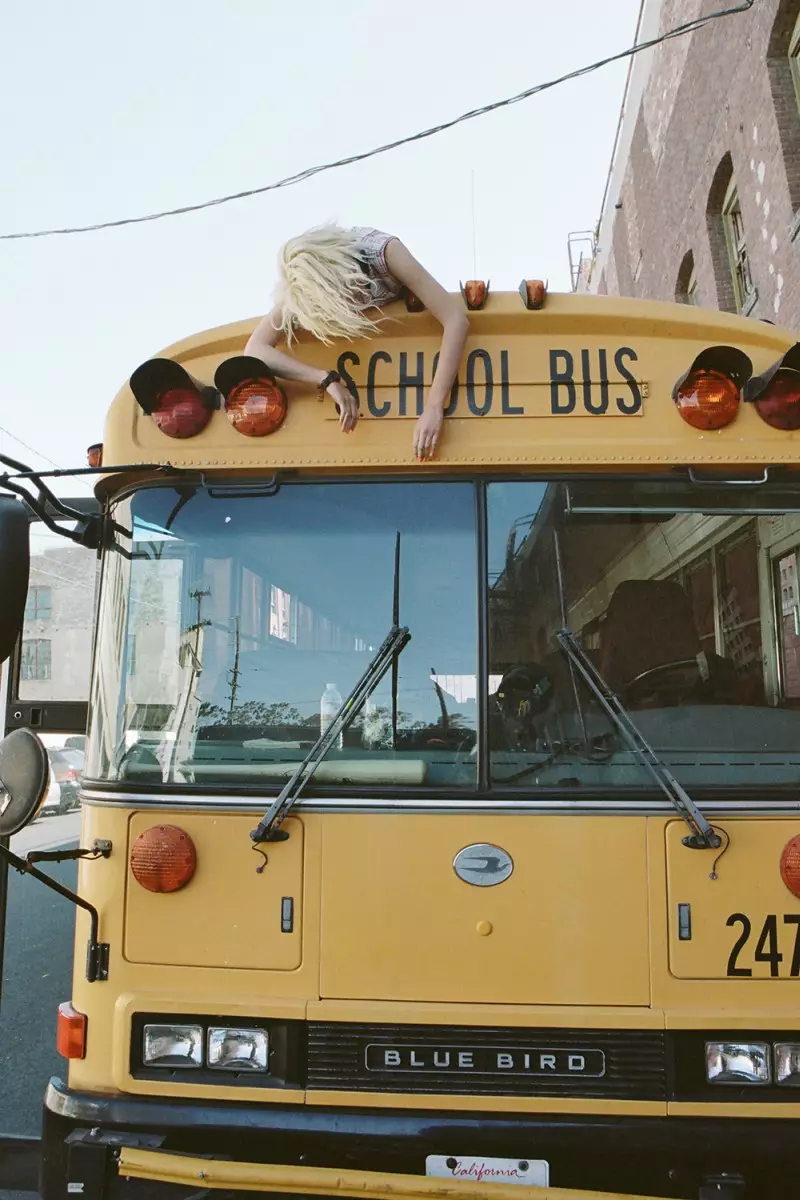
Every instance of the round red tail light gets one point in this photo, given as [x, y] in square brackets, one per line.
[181, 413]
[256, 407]
[163, 858]
[779, 405]
[790, 865]
[707, 399]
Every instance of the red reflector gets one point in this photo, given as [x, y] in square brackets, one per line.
[790, 865]
[708, 400]
[163, 858]
[779, 406]
[256, 407]
[71, 1031]
[181, 413]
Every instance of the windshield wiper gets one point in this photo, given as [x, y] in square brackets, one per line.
[702, 836]
[395, 642]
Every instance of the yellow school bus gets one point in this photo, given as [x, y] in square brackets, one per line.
[443, 819]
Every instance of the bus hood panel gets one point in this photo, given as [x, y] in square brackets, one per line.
[731, 916]
[230, 914]
[566, 925]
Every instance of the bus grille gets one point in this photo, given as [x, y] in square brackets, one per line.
[603, 1063]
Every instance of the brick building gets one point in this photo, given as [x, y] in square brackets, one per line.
[703, 197]
[56, 651]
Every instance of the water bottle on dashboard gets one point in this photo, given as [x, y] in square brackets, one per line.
[329, 705]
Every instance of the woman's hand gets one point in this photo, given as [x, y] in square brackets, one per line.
[347, 405]
[427, 430]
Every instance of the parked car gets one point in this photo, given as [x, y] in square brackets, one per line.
[51, 806]
[67, 766]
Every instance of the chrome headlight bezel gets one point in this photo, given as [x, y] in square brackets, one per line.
[158, 1058]
[222, 1036]
[738, 1064]
[787, 1064]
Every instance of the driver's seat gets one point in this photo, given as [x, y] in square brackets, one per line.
[649, 624]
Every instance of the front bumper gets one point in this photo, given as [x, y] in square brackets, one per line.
[256, 1148]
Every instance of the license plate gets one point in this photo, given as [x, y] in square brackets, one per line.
[532, 1172]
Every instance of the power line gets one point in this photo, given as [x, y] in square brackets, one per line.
[39, 454]
[309, 172]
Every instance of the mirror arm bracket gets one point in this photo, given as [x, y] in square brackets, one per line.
[96, 951]
[101, 848]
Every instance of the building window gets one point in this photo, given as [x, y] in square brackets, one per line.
[39, 604]
[131, 653]
[686, 285]
[737, 246]
[35, 661]
[783, 70]
[794, 59]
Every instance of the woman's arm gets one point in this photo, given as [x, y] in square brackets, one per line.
[262, 344]
[449, 311]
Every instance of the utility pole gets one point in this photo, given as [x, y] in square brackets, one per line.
[233, 677]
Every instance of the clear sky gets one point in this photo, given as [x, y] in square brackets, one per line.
[110, 110]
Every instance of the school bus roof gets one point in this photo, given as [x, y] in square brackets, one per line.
[585, 382]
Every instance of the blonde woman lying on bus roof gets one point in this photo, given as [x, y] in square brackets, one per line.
[330, 282]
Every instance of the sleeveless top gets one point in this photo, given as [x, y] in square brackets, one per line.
[384, 287]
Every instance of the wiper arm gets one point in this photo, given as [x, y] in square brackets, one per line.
[395, 642]
[702, 835]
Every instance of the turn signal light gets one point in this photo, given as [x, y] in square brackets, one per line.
[180, 407]
[790, 865]
[254, 403]
[163, 858]
[708, 395]
[71, 1031]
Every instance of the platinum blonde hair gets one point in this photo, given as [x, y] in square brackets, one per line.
[322, 286]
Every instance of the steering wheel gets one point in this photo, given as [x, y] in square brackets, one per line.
[656, 680]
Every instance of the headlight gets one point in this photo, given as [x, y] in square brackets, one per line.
[173, 1046]
[238, 1049]
[787, 1064]
[737, 1062]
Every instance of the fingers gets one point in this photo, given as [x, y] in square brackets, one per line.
[348, 418]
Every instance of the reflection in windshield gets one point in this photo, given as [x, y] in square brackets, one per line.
[692, 619]
[231, 622]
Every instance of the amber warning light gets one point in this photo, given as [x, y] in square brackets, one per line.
[179, 406]
[709, 394]
[163, 858]
[790, 865]
[254, 403]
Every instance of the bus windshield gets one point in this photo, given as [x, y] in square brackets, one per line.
[234, 619]
[234, 622]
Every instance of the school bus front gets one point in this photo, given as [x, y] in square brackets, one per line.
[534, 917]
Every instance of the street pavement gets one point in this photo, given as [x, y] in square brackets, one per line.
[37, 974]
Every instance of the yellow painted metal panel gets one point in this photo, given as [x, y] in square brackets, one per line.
[746, 903]
[513, 408]
[229, 915]
[569, 926]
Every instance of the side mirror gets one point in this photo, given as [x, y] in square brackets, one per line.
[14, 570]
[24, 774]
